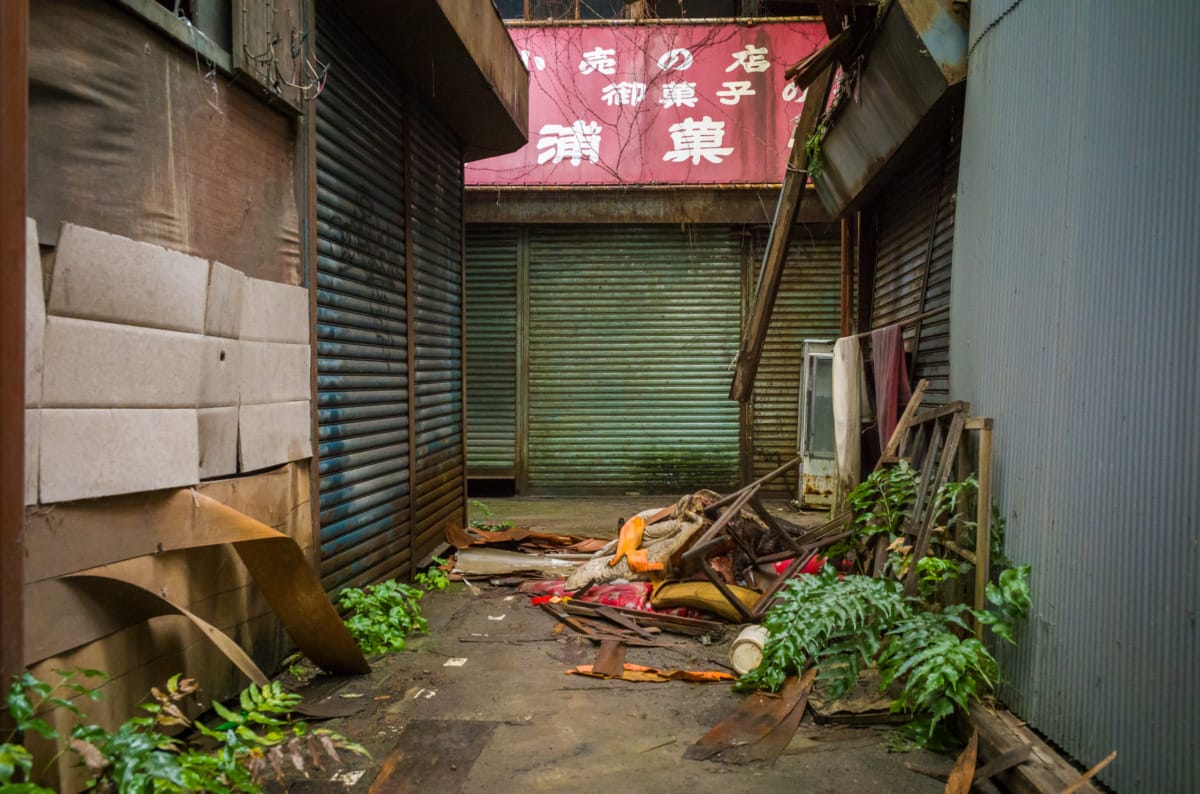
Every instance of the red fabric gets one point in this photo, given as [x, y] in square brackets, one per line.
[892, 390]
[630, 595]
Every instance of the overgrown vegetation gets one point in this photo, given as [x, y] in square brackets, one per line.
[257, 740]
[434, 577]
[383, 615]
[842, 624]
[487, 519]
[816, 155]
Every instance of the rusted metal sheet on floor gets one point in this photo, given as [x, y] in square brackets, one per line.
[805, 308]
[439, 441]
[362, 342]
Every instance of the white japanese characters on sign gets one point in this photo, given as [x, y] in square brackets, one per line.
[792, 93]
[573, 144]
[677, 95]
[532, 61]
[624, 93]
[698, 140]
[599, 60]
[752, 59]
[677, 60]
[734, 91]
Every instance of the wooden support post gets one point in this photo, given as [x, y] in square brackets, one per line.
[983, 522]
[786, 212]
[847, 275]
[14, 110]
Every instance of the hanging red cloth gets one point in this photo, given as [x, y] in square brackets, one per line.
[891, 378]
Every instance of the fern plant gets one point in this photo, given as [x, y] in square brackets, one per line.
[941, 672]
[383, 615]
[835, 622]
[259, 738]
[27, 698]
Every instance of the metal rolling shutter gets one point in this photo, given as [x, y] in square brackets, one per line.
[491, 351]
[631, 333]
[807, 307]
[362, 336]
[436, 204]
[904, 213]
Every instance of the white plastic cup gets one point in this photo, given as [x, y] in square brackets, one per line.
[746, 653]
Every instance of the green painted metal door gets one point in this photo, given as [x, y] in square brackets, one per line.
[492, 351]
[631, 334]
[807, 307]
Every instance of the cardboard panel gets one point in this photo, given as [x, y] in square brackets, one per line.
[274, 433]
[35, 317]
[223, 313]
[105, 365]
[33, 431]
[220, 372]
[218, 428]
[100, 276]
[273, 312]
[87, 453]
[67, 538]
[274, 373]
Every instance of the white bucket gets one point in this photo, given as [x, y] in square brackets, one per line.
[747, 650]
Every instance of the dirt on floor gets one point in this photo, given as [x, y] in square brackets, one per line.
[483, 703]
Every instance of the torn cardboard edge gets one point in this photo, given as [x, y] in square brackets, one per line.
[275, 561]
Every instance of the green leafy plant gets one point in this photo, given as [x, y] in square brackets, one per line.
[931, 572]
[27, 699]
[140, 758]
[816, 155]
[841, 624]
[837, 623]
[433, 577]
[941, 671]
[882, 502]
[486, 520]
[383, 615]
[1010, 601]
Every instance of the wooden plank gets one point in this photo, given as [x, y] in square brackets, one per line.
[1045, 772]
[949, 452]
[610, 659]
[847, 272]
[905, 420]
[938, 413]
[1091, 773]
[672, 623]
[1003, 762]
[768, 749]
[983, 526]
[790, 198]
[963, 773]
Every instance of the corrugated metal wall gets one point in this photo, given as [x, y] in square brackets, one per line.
[436, 204]
[903, 215]
[632, 330]
[1080, 333]
[807, 307]
[492, 351]
[362, 332]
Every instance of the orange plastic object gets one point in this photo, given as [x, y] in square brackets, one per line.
[639, 561]
[629, 538]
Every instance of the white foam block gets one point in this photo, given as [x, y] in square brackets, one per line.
[33, 428]
[220, 372]
[86, 453]
[274, 373]
[274, 312]
[100, 276]
[35, 317]
[223, 312]
[92, 364]
[274, 433]
[218, 429]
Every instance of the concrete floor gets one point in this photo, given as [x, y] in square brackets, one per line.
[510, 719]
